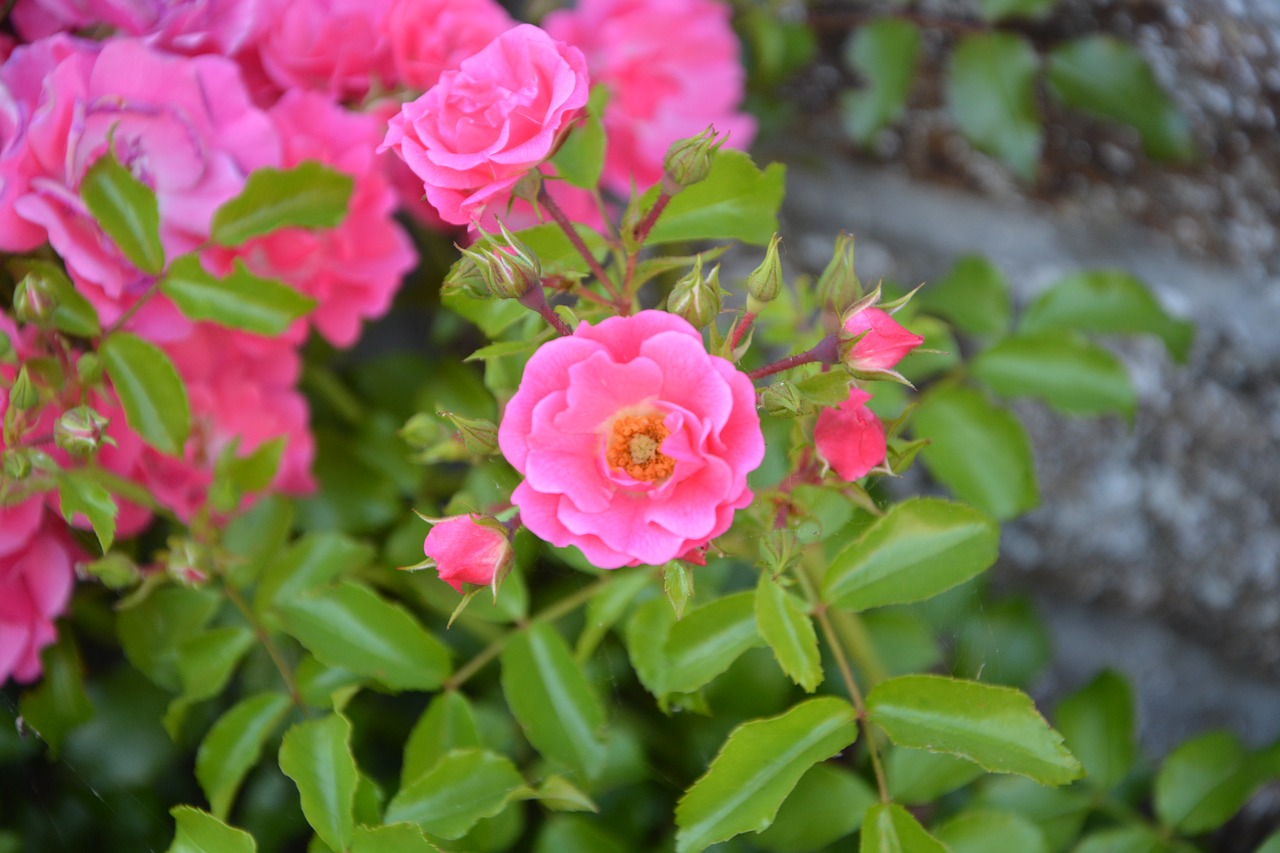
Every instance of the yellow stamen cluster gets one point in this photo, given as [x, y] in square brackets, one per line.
[633, 447]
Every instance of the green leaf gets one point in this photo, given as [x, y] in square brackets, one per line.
[150, 389]
[889, 828]
[996, 10]
[646, 635]
[974, 296]
[807, 821]
[239, 300]
[58, 703]
[550, 696]
[1001, 642]
[309, 195]
[311, 562]
[998, 728]
[1057, 812]
[978, 450]
[234, 744]
[79, 492]
[580, 159]
[784, 623]
[393, 838]
[677, 584]
[207, 660]
[1109, 78]
[882, 52]
[903, 639]
[316, 755]
[1063, 369]
[984, 831]
[234, 475]
[919, 548]
[607, 606]
[917, 776]
[825, 389]
[757, 768]
[1204, 782]
[201, 832]
[74, 314]
[991, 90]
[737, 201]
[151, 630]
[1097, 722]
[464, 786]
[708, 639]
[559, 794]
[126, 209]
[575, 834]
[1128, 839]
[1109, 302]
[350, 626]
[447, 724]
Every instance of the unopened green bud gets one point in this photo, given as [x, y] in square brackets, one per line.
[89, 369]
[782, 400]
[465, 276]
[24, 395]
[838, 285]
[695, 298]
[765, 282]
[79, 431]
[8, 355]
[509, 268]
[17, 463]
[479, 436]
[422, 430]
[34, 300]
[115, 571]
[688, 160]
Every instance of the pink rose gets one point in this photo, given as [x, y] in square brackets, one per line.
[334, 46]
[191, 26]
[503, 111]
[883, 344]
[467, 549]
[35, 584]
[635, 443]
[671, 68]
[850, 438]
[429, 37]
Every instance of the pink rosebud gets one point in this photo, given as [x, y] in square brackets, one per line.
[503, 111]
[634, 441]
[850, 438]
[882, 344]
[467, 549]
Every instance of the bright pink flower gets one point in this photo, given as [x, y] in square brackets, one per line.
[635, 443]
[184, 126]
[503, 111]
[467, 550]
[35, 584]
[884, 344]
[354, 269]
[334, 46]
[191, 26]
[429, 37]
[671, 68]
[850, 438]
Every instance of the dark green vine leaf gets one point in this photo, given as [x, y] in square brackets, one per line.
[316, 755]
[884, 52]
[233, 745]
[465, 786]
[737, 201]
[991, 92]
[201, 832]
[1062, 368]
[784, 623]
[1098, 724]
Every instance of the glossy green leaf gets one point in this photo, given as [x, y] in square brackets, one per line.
[646, 636]
[608, 606]
[311, 562]
[708, 639]
[917, 776]
[447, 724]
[757, 768]
[463, 787]
[238, 300]
[323, 686]
[233, 745]
[316, 755]
[1109, 78]
[574, 834]
[985, 831]
[1063, 369]
[151, 630]
[74, 314]
[1057, 812]
[1127, 839]
[830, 388]
[392, 838]
[919, 548]
[126, 209]
[580, 159]
[559, 794]
[808, 820]
[998, 728]
[550, 696]
[1097, 722]
[58, 703]
[1109, 302]
[150, 389]
[1204, 782]
[737, 201]
[207, 660]
[201, 832]
[883, 52]
[80, 493]
[996, 10]
[784, 623]
[889, 828]
[978, 450]
[350, 626]
[309, 195]
[991, 89]
[974, 296]
[234, 475]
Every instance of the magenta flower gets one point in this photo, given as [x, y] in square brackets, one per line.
[35, 584]
[850, 438]
[883, 342]
[468, 550]
[635, 443]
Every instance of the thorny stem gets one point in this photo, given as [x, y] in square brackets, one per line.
[544, 198]
[740, 330]
[641, 231]
[783, 364]
[536, 300]
[273, 651]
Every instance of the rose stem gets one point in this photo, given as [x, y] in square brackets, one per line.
[544, 198]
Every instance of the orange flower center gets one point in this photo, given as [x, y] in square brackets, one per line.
[633, 447]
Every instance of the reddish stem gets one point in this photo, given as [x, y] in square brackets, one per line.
[740, 331]
[641, 232]
[536, 300]
[783, 364]
[544, 198]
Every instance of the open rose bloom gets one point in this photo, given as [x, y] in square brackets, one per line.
[635, 443]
